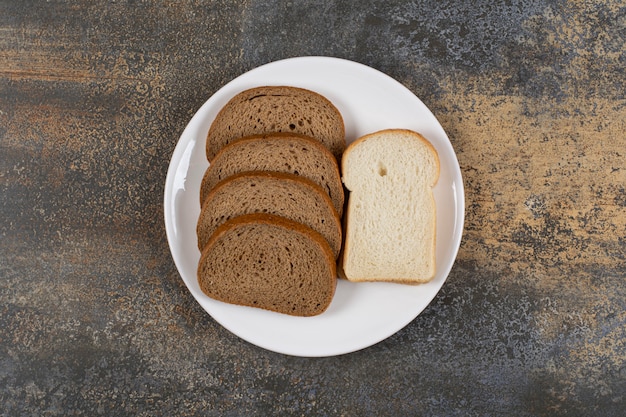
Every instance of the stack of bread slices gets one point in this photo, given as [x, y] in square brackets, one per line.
[271, 201]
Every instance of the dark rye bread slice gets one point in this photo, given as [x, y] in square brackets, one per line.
[269, 262]
[284, 195]
[277, 152]
[270, 109]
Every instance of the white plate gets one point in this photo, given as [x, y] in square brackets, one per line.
[361, 314]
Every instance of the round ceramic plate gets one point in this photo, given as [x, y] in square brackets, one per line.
[361, 314]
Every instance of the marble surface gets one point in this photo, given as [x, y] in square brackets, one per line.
[95, 319]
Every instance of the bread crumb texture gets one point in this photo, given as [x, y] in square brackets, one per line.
[275, 265]
[285, 195]
[271, 109]
[277, 152]
[391, 218]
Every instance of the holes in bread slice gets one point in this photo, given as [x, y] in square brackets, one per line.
[382, 169]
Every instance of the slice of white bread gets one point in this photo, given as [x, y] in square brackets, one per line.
[277, 152]
[269, 262]
[286, 195]
[270, 109]
[391, 217]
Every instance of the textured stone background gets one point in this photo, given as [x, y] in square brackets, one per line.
[95, 319]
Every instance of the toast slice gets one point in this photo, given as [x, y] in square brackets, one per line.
[278, 152]
[285, 195]
[269, 262]
[391, 217]
[270, 109]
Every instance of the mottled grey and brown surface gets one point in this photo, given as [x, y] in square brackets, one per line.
[95, 319]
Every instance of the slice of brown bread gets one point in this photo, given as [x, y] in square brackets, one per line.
[271, 109]
[269, 262]
[277, 152]
[284, 195]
